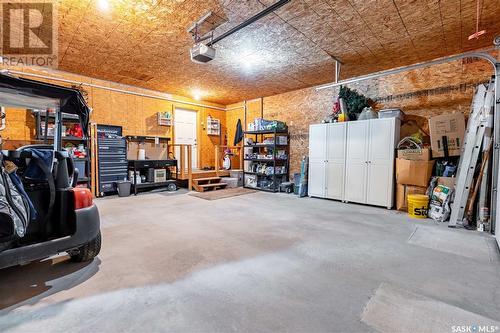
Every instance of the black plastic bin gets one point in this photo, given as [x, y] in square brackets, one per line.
[123, 187]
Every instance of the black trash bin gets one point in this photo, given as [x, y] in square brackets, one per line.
[123, 187]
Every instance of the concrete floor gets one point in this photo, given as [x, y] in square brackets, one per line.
[260, 263]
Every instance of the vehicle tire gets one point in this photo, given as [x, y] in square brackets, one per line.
[87, 251]
[172, 187]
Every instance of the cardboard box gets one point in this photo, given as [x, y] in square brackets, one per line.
[238, 174]
[417, 173]
[402, 192]
[415, 154]
[451, 126]
[447, 181]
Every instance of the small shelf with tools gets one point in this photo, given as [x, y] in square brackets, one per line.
[72, 139]
[263, 174]
[213, 126]
[263, 145]
[266, 159]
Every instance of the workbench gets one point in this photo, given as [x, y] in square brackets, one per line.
[140, 165]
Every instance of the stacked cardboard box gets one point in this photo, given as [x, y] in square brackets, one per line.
[413, 171]
[449, 128]
[414, 166]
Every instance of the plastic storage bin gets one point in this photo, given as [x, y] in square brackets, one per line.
[80, 165]
[123, 187]
[391, 113]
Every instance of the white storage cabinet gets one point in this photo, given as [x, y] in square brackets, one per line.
[327, 156]
[354, 161]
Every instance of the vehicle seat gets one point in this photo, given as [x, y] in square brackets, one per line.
[48, 193]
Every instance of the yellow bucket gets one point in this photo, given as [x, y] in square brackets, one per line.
[417, 205]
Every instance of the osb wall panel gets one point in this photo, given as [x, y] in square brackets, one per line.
[420, 94]
[254, 110]
[20, 125]
[232, 117]
[136, 114]
[208, 142]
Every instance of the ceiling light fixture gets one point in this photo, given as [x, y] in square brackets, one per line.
[103, 5]
[197, 94]
[251, 61]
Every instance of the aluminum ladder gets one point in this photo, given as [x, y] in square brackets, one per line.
[479, 119]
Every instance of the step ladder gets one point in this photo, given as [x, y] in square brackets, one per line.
[480, 119]
[207, 184]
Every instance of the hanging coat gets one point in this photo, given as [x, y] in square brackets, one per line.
[238, 136]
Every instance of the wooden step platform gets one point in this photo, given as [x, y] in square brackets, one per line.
[208, 183]
[202, 174]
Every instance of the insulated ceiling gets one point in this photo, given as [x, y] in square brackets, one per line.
[146, 43]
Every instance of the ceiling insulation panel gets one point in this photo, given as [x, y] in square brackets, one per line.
[146, 42]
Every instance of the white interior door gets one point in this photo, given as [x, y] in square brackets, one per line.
[357, 161]
[380, 162]
[317, 158]
[335, 157]
[185, 129]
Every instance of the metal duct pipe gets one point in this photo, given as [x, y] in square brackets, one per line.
[235, 108]
[242, 105]
[245, 116]
[337, 71]
[438, 61]
[8, 71]
[249, 21]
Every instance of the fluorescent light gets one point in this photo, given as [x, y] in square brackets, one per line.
[103, 5]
